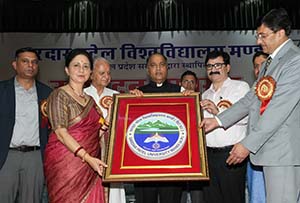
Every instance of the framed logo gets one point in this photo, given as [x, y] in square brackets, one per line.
[156, 138]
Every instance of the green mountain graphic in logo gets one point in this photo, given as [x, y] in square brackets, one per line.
[157, 126]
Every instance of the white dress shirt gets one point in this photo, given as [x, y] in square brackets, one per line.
[92, 91]
[232, 91]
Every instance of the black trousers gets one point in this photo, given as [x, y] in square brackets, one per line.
[227, 183]
[149, 192]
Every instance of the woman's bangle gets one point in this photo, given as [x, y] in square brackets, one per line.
[77, 150]
[101, 128]
[106, 124]
[83, 157]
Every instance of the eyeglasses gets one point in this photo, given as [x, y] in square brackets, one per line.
[217, 66]
[263, 36]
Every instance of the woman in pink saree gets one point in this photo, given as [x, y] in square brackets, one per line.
[72, 164]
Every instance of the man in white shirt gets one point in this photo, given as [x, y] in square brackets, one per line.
[102, 95]
[227, 183]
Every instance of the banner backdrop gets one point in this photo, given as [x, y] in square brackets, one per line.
[127, 52]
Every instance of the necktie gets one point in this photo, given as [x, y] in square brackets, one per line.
[268, 62]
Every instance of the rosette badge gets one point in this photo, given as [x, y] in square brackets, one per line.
[224, 104]
[106, 101]
[44, 108]
[265, 88]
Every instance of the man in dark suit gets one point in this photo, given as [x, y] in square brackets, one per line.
[273, 105]
[157, 69]
[24, 131]
[148, 192]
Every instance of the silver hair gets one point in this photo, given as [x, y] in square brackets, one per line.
[99, 58]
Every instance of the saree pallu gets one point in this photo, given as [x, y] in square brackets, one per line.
[68, 178]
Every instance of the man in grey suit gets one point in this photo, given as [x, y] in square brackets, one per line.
[273, 106]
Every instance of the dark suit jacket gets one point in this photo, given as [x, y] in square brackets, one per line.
[166, 87]
[7, 115]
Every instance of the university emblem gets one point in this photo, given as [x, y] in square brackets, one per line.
[156, 136]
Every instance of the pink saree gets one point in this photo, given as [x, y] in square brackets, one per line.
[68, 178]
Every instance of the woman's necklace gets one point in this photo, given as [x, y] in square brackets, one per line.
[82, 95]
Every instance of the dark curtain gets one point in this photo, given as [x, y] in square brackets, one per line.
[136, 15]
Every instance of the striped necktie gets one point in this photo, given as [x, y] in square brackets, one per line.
[268, 62]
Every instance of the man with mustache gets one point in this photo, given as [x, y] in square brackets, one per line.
[227, 183]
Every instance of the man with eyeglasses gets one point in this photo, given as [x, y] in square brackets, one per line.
[273, 105]
[255, 178]
[188, 80]
[24, 131]
[227, 183]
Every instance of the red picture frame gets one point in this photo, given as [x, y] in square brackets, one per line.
[156, 138]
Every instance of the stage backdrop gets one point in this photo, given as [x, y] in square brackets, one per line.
[186, 50]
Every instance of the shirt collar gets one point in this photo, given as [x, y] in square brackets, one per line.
[91, 90]
[154, 84]
[225, 84]
[18, 85]
[278, 49]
